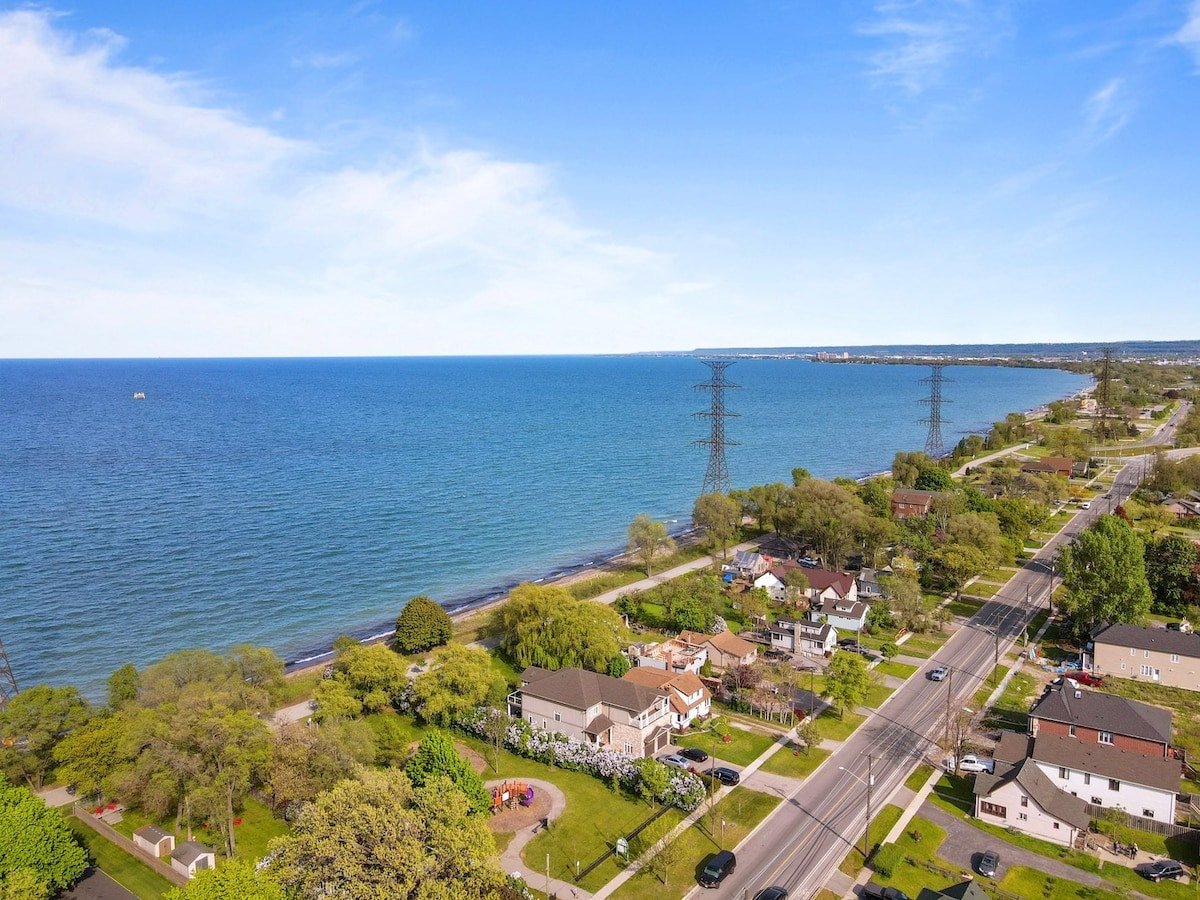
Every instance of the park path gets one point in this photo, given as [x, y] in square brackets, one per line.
[655, 580]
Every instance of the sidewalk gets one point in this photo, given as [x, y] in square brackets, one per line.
[655, 580]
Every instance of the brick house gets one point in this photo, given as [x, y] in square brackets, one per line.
[1050, 465]
[594, 709]
[1097, 718]
[907, 502]
[1152, 654]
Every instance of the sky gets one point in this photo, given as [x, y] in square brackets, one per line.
[390, 179]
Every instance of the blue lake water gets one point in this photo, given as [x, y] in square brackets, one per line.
[282, 502]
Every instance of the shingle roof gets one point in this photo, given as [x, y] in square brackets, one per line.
[824, 579]
[188, 852]
[854, 610]
[1104, 712]
[686, 683]
[1149, 639]
[727, 642]
[1110, 762]
[151, 833]
[581, 689]
[1059, 804]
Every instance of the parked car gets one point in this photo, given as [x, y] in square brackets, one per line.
[695, 754]
[848, 642]
[809, 562]
[938, 674]
[726, 776]
[1085, 678]
[774, 892]
[675, 760]
[972, 764]
[1174, 626]
[719, 865]
[989, 864]
[1160, 869]
[879, 892]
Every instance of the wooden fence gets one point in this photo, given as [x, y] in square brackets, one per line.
[1141, 823]
[113, 836]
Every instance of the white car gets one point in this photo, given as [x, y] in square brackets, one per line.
[1085, 505]
[971, 764]
[676, 761]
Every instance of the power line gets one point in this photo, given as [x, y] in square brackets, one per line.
[933, 441]
[8, 681]
[716, 476]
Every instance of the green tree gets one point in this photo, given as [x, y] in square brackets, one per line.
[23, 884]
[305, 761]
[335, 701]
[89, 755]
[257, 666]
[437, 848]
[934, 478]
[234, 879]
[692, 614]
[34, 721]
[123, 686]
[905, 601]
[720, 517]
[795, 589]
[458, 682]
[422, 625]
[375, 674]
[848, 682]
[907, 465]
[35, 840]
[436, 756]
[981, 531]
[830, 517]
[959, 563]
[1104, 574]
[543, 625]
[618, 665]
[1171, 572]
[648, 539]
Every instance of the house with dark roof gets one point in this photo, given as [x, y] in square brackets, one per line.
[1021, 797]
[747, 564]
[869, 588]
[1050, 465]
[1182, 509]
[725, 650]
[690, 699]
[964, 890]
[807, 636]
[1146, 654]
[1097, 718]
[1142, 784]
[907, 502]
[191, 857]
[594, 709]
[843, 614]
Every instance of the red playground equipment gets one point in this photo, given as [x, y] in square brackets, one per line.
[505, 795]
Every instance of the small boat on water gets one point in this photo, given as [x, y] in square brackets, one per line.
[140, 395]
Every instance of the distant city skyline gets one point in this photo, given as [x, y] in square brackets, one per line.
[382, 179]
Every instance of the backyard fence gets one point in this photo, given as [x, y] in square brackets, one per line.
[113, 836]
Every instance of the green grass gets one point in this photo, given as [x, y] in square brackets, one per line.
[118, 865]
[895, 669]
[877, 695]
[741, 811]
[743, 748]
[793, 762]
[835, 729]
[603, 583]
[881, 824]
[252, 836]
[1022, 881]
[985, 689]
[298, 687]
[954, 794]
[1011, 710]
[924, 645]
[987, 591]
[964, 607]
[919, 776]
[1184, 704]
[918, 848]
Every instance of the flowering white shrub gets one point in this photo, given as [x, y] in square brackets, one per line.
[683, 790]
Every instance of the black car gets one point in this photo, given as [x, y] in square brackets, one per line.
[1160, 869]
[695, 754]
[848, 642]
[879, 892]
[772, 893]
[726, 776]
[718, 866]
[989, 864]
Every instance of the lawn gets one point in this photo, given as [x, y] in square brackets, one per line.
[918, 848]
[987, 591]
[742, 749]
[793, 762]
[985, 689]
[919, 776]
[965, 607]
[1011, 709]
[895, 669]
[881, 824]
[835, 729]
[876, 695]
[954, 794]
[252, 836]
[1184, 704]
[298, 687]
[740, 812]
[924, 645]
[1025, 882]
[120, 866]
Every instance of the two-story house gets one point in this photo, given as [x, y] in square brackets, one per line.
[1153, 654]
[594, 709]
[1021, 797]
[1097, 718]
[907, 502]
[747, 564]
[807, 636]
[725, 650]
[1142, 784]
[845, 615]
[690, 699]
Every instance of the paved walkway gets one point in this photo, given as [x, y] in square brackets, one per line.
[655, 580]
[511, 861]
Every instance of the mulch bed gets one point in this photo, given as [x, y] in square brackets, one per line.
[518, 817]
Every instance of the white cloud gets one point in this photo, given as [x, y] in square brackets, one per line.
[145, 219]
[1108, 110]
[1189, 34]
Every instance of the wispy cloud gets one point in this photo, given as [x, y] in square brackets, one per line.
[1189, 35]
[922, 39]
[1108, 110]
[324, 60]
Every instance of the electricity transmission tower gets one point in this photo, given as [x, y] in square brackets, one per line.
[933, 441]
[1104, 394]
[8, 681]
[716, 476]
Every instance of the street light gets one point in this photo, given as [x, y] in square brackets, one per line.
[867, 784]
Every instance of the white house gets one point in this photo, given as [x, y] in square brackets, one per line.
[154, 840]
[783, 634]
[190, 857]
[1021, 797]
[816, 638]
[673, 655]
[690, 699]
[842, 613]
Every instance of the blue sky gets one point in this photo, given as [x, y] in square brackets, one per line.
[226, 179]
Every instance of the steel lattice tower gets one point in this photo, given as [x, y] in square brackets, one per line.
[933, 442]
[8, 681]
[716, 476]
[1104, 393]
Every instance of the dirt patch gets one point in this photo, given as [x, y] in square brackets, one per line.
[518, 817]
[474, 757]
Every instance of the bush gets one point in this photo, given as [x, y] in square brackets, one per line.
[422, 626]
[887, 858]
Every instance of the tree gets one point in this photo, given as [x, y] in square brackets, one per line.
[1171, 572]
[740, 678]
[618, 665]
[959, 563]
[33, 722]
[848, 682]
[234, 879]
[754, 603]
[907, 604]
[335, 701]
[659, 852]
[648, 539]
[257, 666]
[692, 614]
[795, 589]
[91, 753]
[908, 465]
[543, 625]
[23, 884]
[422, 625]
[35, 840]
[1104, 574]
[375, 674]
[305, 761]
[981, 531]
[719, 516]
[934, 478]
[123, 686]
[830, 517]
[458, 682]
[436, 756]
[436, 848]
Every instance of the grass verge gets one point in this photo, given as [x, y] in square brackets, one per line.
[792, 762]
[880, 826]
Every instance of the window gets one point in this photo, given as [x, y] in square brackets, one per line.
[628, 747]
[1174, 657]
[1056, 826]
[1087, 777]
[1113, 784]
[1023, 817]
[1123, 665]
[993, 809]
[1071, 730]
[1096, 801]
[1064, 772]
[1147, 671]
[1148, 813]
[1024, 800]
[1106, 737]
[557, 716]
[1133, 651]
[531, 718]
[1146, 654]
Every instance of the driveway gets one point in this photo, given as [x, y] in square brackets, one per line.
[297, 712]
[95, 885]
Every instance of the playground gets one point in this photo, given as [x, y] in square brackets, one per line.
[520, 803]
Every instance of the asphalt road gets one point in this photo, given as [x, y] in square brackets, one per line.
[802, 842]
